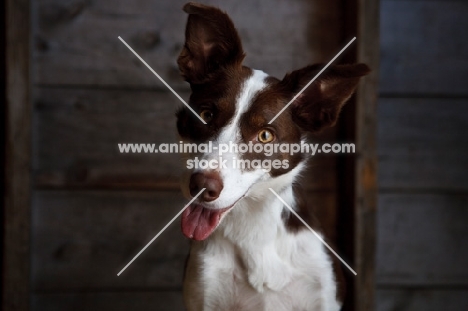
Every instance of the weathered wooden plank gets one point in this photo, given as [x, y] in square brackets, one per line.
[116, 301]
[77, 132]
[83, 238]
[422, 299]
[422, 239]
[423, 144]
[76, 41]
[423, 49]
[365, 189]
[16, 180]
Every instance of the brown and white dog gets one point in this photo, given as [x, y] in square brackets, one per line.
[248, 252]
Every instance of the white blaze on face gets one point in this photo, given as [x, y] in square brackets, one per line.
[235, 180]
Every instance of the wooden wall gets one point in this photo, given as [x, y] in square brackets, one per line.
[16, 159]
[93, 209]
[423, 152]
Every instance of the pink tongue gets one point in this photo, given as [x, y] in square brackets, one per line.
[199, 222]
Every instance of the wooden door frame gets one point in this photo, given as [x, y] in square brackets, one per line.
[16, 156]
[368, 50]
[358, 174]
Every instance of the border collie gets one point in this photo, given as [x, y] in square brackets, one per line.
[248, 252]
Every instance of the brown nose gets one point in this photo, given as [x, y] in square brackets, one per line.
[211, 181]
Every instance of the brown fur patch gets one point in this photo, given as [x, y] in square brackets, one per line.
[211, 44]
[264, 107]
[293, 224]
[217, 95]
[319, 105]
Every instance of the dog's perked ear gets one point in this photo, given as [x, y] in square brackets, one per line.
[211, 43]
[319, 105]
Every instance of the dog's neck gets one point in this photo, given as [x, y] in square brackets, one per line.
[256, 231]
[258, 218]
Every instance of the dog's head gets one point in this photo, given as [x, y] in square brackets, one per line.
[237, 103]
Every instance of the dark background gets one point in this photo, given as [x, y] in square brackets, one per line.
[92, 209]
[423, 151]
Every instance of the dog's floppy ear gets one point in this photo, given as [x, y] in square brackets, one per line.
[319, 105]
[211, 42]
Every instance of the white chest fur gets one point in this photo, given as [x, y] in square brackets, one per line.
[251, 262]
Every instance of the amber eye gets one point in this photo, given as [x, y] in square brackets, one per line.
[265, 136]
[206, 115]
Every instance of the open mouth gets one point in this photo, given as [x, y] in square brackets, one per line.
[199, 222]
